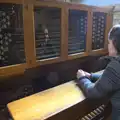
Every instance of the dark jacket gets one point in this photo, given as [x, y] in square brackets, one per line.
[108, 84]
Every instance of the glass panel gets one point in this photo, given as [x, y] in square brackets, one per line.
[47, 32]
[116, 18]
[77, 31]
[98, 30]
[11, 35]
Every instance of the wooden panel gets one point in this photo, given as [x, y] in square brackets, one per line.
[12, 1]
[77, 55]
[48, 103]
[12, 70]
[89, 32]
[81, 8]
[64, 30]
[48, 4]
[78, 6]
[102, 50]
[100, 9]
[99, 51]
[48, 61]
[15, 61]
[29, 35]
[109, 22]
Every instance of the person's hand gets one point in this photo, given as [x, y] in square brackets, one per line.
[80, 73]
[87, 74]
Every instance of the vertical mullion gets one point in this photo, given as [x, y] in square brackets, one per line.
[64, 33]
[29, 34]
[108, 27]
[89, 32]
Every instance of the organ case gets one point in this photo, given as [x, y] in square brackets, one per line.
[39, 33]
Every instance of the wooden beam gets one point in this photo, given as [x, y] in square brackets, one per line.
[89, 32]
[12, 1]
[29, 34]
[48, 4]
[64, 33]
[12, 70]
[77, 55]
[78, 6]
[48, 61]
[109, 21]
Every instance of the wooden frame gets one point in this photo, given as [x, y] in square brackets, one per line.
[29, 34]
[12, 1]
[88, 9]
[102, 50]
[17, 69]
[63, 50]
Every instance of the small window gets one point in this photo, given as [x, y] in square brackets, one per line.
[98, 30]
[47, 32]
[77, 31]
[11, 35]
[116, 18]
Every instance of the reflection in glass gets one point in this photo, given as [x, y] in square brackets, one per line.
[47, 32]
[11, 35]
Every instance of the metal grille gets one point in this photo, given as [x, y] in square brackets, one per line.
[95, 114]
[47, 32]
[77, 31]
[11, 35]
[98, 30]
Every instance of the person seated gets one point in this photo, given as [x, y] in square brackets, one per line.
[108, 83]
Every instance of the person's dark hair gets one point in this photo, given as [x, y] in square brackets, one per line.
[114, 35]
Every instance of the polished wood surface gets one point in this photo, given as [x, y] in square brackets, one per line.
[47, 103]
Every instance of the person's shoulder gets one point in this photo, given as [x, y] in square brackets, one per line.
[114, 65]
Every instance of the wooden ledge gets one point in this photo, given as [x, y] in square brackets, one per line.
[47, 103]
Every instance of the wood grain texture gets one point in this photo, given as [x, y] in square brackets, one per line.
[47, 103]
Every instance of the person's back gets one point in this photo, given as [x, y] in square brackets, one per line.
[115, 100]
[108, 84]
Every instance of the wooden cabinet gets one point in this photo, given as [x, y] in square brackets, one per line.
[34, 33]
